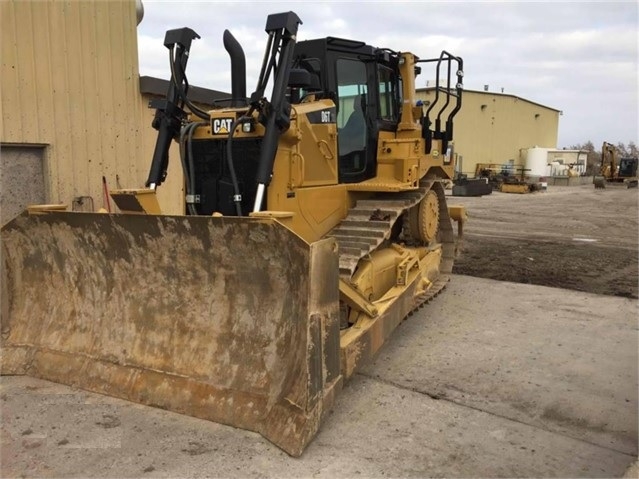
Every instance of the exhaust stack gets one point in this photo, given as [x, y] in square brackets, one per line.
[238, 69]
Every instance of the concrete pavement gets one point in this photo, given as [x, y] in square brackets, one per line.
[491, 379]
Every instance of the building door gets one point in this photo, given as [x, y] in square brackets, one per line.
[21, 179]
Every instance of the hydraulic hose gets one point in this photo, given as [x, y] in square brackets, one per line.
[180, 89]
[188, 166]
[189, 147]
[185, 168]
[237, 197]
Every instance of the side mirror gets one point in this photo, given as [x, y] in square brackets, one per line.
[299, 78]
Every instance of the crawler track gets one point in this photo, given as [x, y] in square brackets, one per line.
[372, 222]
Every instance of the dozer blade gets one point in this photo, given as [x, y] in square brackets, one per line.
[234, 320]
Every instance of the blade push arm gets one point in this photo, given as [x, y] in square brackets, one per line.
[169, 113]
[282, 31]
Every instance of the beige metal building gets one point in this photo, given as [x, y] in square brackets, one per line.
[495, 128]
[73, 109]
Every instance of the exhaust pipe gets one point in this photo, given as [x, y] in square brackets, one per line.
[238, 69]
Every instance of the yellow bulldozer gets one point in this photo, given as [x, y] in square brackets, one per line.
[314, 222]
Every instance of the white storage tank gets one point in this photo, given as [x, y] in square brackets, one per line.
[537, 161]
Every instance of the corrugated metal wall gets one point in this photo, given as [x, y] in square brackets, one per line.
[70, 80]
[493, 128]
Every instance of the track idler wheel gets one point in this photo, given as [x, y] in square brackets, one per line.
[423, 219]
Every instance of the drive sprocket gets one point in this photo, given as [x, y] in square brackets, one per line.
[423, 219]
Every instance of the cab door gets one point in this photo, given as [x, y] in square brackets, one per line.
[356, 132]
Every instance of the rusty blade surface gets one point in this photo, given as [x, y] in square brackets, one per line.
[234, 320]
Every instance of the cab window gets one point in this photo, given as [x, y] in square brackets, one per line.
[388, 96]
[351, 117]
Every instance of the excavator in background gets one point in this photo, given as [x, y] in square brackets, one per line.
[615, 170]
[314, 222]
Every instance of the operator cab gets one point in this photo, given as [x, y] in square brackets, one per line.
[627, 167]
[365, 85]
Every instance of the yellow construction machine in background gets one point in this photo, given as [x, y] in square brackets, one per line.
[615, 170]
[502, 178]
[518, 184]
[315, 222]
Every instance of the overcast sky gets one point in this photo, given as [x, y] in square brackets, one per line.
[578, 57]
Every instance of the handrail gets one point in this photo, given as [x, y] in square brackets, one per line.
[447, 59]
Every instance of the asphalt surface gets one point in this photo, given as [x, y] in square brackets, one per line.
[491, 379]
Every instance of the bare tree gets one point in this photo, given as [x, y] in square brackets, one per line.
[629, 150]
[593, 159]
[621, 149]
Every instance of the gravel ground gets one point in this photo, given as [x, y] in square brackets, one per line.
[567, 237]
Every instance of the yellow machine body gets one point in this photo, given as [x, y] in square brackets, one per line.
[251, 321]
[519, 188]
